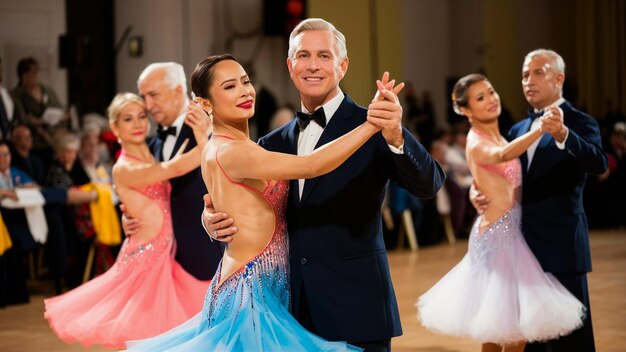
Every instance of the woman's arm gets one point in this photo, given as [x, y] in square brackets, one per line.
[141, 174]
[242, 159]
[490, 154]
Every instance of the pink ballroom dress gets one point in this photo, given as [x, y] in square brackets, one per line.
[498, 292]
[145, 293]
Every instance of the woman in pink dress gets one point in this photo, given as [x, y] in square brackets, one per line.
[146, 292]
[498, 294]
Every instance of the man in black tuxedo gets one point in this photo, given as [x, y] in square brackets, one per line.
[163, 86]
[554, 171]
[340, 283]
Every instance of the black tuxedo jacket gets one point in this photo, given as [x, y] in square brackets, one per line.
[337, 253]
[553, 219]
[194, 250]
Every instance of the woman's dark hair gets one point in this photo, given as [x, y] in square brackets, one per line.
[202, 75]
[25, 65]
[459, 92]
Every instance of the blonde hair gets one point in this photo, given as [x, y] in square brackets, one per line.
[119, 102]
[318, 24]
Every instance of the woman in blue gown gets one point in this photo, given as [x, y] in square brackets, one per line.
[246, 306]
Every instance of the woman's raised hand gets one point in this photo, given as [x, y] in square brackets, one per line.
[385, 84]
[385, 111]
[199, 122]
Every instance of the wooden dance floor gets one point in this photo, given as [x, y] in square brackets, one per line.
[22, 327]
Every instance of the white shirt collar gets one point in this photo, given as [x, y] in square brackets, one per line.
[180, 120]
[330, 107]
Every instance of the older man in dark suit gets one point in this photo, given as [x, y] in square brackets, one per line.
[163, 86]
[555, 169]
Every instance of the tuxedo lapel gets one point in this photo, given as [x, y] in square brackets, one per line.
[337, 127]
[540, 153]
[292, 138]
[185, 133]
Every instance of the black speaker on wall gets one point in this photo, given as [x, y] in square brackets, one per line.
[281, 16]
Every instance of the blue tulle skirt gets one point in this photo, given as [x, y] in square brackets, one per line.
[247, 312]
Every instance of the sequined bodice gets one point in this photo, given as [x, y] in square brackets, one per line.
[499, 234]
[140, 255]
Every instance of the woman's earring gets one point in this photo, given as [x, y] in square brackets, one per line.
[211, 115]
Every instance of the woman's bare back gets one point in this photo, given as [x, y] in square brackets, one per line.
[243, 201]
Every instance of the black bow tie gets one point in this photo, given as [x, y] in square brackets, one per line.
[533, 115]
[304, 118]
[163, 133]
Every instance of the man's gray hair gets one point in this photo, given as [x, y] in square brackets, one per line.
[557, 60]
[318, 24]
[174, 74]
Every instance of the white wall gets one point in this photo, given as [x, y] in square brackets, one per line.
[187, 31]
[160, 24]
[427, 50]
[466, 37]
[32, 28]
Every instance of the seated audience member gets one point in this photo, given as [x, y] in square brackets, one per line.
[23, 243]
[13, 272]
[22, 157]
[32, 98]
[88, 172]
[89, 167]
[70, 240]
[98, 125]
